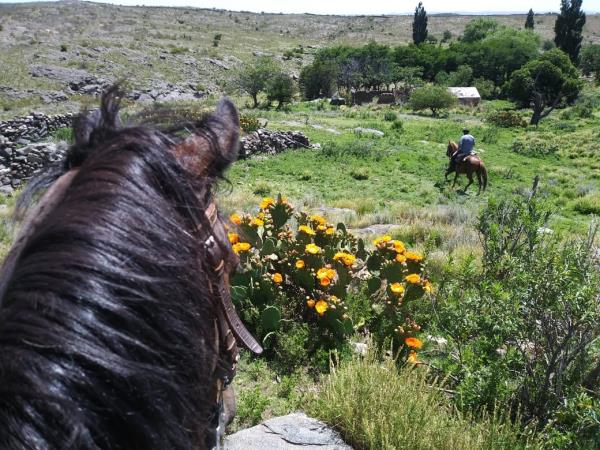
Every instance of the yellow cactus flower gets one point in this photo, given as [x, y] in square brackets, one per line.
[382, 241]
[277, 278]
[414, 256]
[235, 218]
[312, 249]
[428, 287]
[321, 227]
[300, 264]
[266, 202]
[256, 222]
[329, 231]
[412, 357]
[333, 299]
[234, 238]
[261, 215]
[397, 288]
[307, 230]
[347, 259]
[310, 303]
[400, 258]
[399, 246]
[413, 278]
[318, 219]
[321, 306]
[241, 247]
[413, 342]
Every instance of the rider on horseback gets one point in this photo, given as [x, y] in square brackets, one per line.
[465, 148]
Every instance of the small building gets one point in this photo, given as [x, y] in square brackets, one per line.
[467, 96]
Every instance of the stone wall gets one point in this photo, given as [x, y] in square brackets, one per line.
[20, 158]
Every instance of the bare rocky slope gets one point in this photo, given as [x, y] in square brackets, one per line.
[53, 56]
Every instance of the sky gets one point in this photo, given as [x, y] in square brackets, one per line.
[350, 7]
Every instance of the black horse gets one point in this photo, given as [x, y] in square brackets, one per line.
[116, 327]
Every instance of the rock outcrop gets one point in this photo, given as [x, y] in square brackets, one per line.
[294, 431]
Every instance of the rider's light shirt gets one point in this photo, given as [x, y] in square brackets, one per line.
[466, 144]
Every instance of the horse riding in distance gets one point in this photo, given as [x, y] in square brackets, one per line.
[117, 328]
[464, 160]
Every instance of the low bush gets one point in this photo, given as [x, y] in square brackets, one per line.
[397, 126]
[522, 326]
[588, 204]
[390, 116]
[506, 119]
[534, 146]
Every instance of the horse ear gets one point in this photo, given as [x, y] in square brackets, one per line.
[214, 146]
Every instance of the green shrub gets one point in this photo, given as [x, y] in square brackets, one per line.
[534, 146]
[432, 97]
[360, 173]
[397, 126]
[179, 50]
[523, 324]
[506, 119]
[588, 204]
[251, 404]
[390, 116]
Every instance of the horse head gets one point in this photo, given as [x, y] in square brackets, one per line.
[451, 149]
[117, 328]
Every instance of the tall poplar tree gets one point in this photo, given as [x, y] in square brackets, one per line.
[420, 24]
[568, 28]
[529, 21]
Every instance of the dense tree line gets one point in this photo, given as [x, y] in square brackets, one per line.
[486, 51]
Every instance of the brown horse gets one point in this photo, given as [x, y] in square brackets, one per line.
[117, 329]
[471, 164]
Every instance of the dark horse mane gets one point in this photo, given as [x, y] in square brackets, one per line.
[106, 324]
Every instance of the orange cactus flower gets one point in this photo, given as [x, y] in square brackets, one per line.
[400, 258]
[325, 282]
[413, 278]
[266, 202]
[310, 303]
[235, 218]
[321, 306]
[312, 249]
[413, 342]
[234, 238]
[397, 288]
[300, 264]
[277, 278]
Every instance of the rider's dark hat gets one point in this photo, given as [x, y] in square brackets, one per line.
[465, 130]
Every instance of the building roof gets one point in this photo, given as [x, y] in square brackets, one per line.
[465, 92]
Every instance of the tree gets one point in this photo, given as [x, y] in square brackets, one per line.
[529, 21]
[419, 26]
[431, 97]
[318, 79]
[252, 78]
[544, 83]
[568, 28]
[280, 88]
[590, 61]
[479, 29]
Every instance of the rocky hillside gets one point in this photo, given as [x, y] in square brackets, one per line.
[58, 54]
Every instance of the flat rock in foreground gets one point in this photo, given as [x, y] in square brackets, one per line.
[291, 432]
